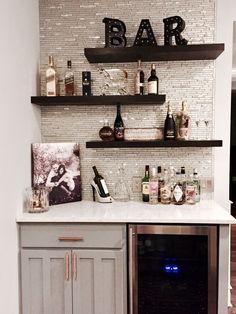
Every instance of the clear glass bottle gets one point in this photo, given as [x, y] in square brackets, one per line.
[166, 189]
[169, 125]
[153, 186]
[190, 191]
[153, 81]
[197, 183]
[51, 78]
[121, 191]
[183, 123]
[145, 185]
[160, 180]
[69, 80]
[139, 80]
[118, 126]
[106, 133]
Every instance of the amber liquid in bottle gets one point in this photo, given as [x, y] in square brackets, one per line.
[69, 80]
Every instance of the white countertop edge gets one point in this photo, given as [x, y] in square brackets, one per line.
[205, 212]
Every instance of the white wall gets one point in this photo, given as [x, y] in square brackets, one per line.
[19, 126]
[226, 14]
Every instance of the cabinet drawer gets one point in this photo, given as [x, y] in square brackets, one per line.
[72, 235]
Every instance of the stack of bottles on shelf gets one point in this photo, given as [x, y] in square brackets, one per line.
[170, 186]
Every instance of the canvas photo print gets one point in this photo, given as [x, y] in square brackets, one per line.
[57, 167]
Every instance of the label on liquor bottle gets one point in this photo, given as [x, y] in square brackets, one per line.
[165, 192]
[119, 133]
[145, 188]
[170, 134]
[190, 193]
[50, 83]
[177, 193]
[153, 188]
[152, 87]
[69, 80]
[103, 183]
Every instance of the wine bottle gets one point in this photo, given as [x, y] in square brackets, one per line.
[51, 78]
[69, 80]
[118, 126]
[153, 187]
[169, 126]
[153, 81]
[101, 184]
[145, 185]
[139, 80]
[183, 123]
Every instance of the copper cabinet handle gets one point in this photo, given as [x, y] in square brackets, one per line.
[67, 267]
[74, 266]
[70, 239]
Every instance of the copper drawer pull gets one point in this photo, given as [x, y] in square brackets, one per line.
[72, 239]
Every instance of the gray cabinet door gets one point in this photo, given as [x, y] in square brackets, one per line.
[99, 282]
[46, 282]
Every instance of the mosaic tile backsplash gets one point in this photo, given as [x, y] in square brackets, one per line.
[69, 26]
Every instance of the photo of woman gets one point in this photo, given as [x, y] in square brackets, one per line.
[57, 166]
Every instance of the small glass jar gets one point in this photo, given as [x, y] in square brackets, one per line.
[106, 133]
[36, 199]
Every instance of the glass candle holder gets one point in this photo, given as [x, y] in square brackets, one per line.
[36, 199]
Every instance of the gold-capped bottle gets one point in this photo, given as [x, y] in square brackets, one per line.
[51, 78]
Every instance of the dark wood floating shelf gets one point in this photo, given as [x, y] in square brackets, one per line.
[154, 53]
[98, 100]
[157, 143]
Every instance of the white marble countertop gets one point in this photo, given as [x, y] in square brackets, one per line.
[205, 212]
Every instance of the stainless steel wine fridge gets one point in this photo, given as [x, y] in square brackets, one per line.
[172, 269]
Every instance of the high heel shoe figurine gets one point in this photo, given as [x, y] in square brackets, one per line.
[99, 188]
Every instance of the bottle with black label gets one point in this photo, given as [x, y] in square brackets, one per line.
[139, 80]
[153, 81]
[118, 125]
[145, 185]
[86, 83]
[169, 126]
[69, 80]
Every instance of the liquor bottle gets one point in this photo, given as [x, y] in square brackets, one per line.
[51, 78]
[178, 195]
[106, 133]
[153, 81]
[166, 189]
[101, 184]
[153, 186]
[197, 183]
[86, 83]
[160, 180]
[69, 80]
[183, 123]
[183, 179]
[118, 126]
[190, 191]
[145, 185]
[169, 126]
[139, 80]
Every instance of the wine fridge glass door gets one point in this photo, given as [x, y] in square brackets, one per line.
[173, 269]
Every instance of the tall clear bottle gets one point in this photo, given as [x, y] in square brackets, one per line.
[145, 185]
[153, 187]
[197, 183]
[169, 125]
[139, 80]
[51, 78]
[69, 80]
[160, 180]
[166, 188]
[183, 123]
[118, 125]
[153, 81]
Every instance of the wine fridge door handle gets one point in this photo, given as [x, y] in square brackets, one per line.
[75, 266]
[132, 256]
[67, 267]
